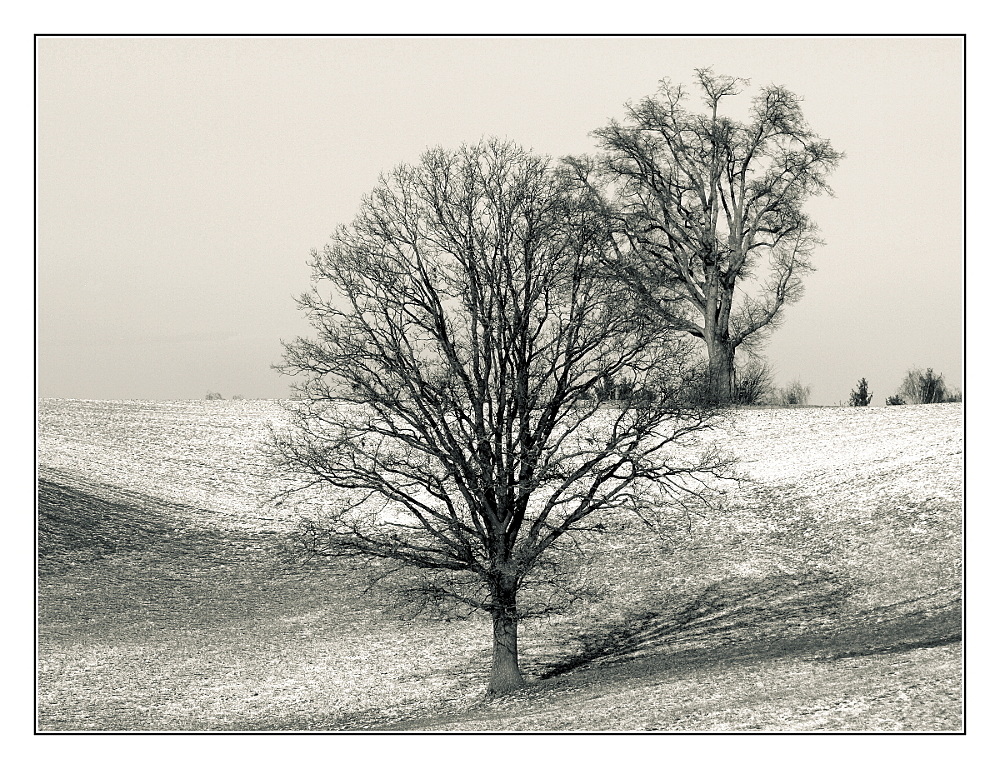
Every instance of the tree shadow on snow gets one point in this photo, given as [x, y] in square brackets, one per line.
[779, 616]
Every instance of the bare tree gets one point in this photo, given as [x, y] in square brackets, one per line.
[708, 208]
[925, 387]
[455, 398]
[794, 394]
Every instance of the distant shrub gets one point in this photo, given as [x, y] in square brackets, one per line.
[894, 400]
[214, 397]
[237, 398]
[606, 388]
[926, 386]
[754, 383]
[793, 394]
[696, 385]
[621, 390]
[861, 396]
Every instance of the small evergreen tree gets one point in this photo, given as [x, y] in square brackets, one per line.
[861, 396]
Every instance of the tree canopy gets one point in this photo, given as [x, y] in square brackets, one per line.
[453, 396]
[710, 226]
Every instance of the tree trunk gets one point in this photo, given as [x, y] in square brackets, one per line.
[721, 351]
[721, 371]
[505, 675]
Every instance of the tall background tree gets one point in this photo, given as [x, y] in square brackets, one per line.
[454, 398]
[707, 207]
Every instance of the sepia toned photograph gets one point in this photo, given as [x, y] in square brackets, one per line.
[598, 384]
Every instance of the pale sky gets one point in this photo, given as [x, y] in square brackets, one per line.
[181, 183]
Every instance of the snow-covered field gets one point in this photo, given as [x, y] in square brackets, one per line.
[912, 451]
[204, 454]
[825, 596]
[209, 455]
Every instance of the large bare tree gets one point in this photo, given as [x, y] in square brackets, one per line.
[451, 400]
[712, 235]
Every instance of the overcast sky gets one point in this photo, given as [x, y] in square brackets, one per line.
[181, 183]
